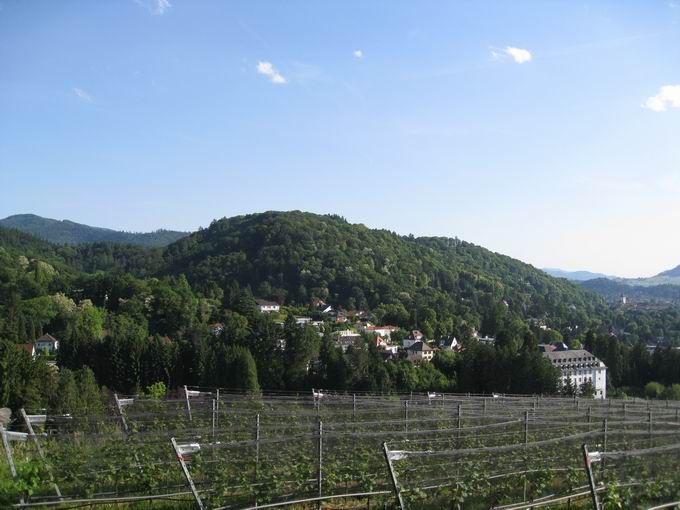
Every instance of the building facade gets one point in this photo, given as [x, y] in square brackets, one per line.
[580, 366]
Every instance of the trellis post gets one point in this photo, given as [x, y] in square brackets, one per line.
[591, 479]
[214, 409]
[121, 415]
[180, 458]
[393, 476]
[604, 441]
[217, 409]
[406, 417]
[320, 462]
[34, 438]
[257, 444]
[459, 414]
[10, 458]
[186, 397]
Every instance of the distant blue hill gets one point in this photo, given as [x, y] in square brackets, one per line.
[577, 276]
[69, 232]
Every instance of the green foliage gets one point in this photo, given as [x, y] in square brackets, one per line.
[139, 315]
[653, 390]
[156, 391]
[69, 232]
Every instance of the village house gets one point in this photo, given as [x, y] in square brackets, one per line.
[29, 348]
[384, 331]
[216, 328]
[321, 306]
[580, 366]
[488, 340]
[302, 321]
[267, 306]
[449, 343]
[420, 352]
[413, 337]
[47, 342]
[345, 341]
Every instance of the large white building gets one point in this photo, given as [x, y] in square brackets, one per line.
[580, 366]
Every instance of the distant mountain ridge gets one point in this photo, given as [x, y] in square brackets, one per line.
[578, 276]
[70, 232]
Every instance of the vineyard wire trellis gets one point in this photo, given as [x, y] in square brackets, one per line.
[248, 444]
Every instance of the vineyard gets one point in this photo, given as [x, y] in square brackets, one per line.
[215, 449]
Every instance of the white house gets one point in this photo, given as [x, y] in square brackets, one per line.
[580, 366]
[301, 321]
[267, 306]
[448, 343]
[344, 341]
[384, 331]
[47, 342]
[420, 352]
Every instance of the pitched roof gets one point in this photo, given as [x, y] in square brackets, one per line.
[264, 302]
[419, 346]
[47, 338]
[29, 348]
[571, 356]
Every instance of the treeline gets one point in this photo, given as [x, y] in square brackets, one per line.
[631, 367]
[137, 316]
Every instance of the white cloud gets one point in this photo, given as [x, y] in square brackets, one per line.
[82, 95]
[358, 53]
[669, 95]
[155, 6]
[519, 55]
[267, 69]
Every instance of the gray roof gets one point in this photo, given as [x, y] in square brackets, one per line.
[419, 346]
[571, 356]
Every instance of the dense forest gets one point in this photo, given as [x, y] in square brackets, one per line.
[131, 316]
[69, 232]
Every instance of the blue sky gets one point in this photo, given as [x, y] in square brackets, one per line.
[548, 131]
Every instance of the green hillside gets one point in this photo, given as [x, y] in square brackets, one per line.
[69, 232]
[138, 315]
[296, 256]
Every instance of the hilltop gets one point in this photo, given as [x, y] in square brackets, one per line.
[69, 232]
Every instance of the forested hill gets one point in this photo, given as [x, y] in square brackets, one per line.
[69, 232]
[138, 315]
[295, 257]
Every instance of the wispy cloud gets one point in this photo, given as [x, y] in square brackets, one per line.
[82, 95]
[358, 54]
[669, 95]
[156, 7]
[519, 55]
[267, 69]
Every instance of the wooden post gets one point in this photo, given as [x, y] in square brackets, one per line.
[10, 459]
[186, 396]
[393, 476]
[121, 415]
[406, 417]
[213, 419]
[187, 475]
[604, 442]
[591, 480]
[257, 444]
[34, 438]
[217, 409]
[320, 471]
[526, 428]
